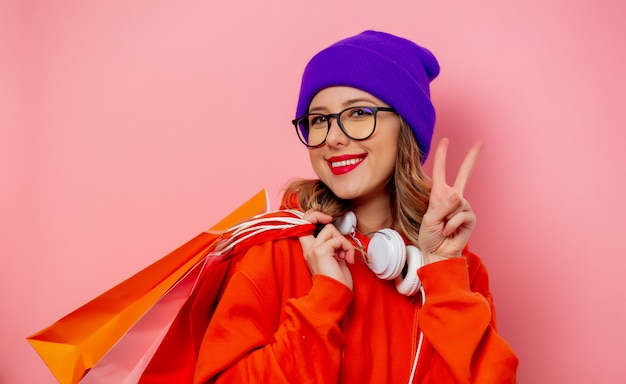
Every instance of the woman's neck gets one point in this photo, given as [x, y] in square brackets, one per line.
[373, 215]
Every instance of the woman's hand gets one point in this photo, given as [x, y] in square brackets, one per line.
[449, 220]
[328, 253]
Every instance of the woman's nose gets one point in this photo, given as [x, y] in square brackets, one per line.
[335, 134]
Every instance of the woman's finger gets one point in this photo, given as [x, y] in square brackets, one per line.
[329, 241]
[462, 219]
[440, 212]
[331, 236]
[439, 164]
[466, 168]
[315, 217]
[463, 205]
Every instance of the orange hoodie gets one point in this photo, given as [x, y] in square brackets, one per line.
[275, 323]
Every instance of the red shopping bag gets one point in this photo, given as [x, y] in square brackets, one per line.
[175, 359]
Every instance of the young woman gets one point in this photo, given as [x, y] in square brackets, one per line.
[331, 308]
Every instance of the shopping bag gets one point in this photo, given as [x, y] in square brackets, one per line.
[71, 346]
[127, 359]
[176, 356]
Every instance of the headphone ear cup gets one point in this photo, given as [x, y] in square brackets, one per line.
[409, 285]
[346, 224]
[386, 254]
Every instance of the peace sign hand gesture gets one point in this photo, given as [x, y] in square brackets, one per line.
[449, 220]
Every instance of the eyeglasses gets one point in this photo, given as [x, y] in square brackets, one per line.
[358, 123]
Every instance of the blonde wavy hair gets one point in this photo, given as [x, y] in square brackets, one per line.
[408, 187]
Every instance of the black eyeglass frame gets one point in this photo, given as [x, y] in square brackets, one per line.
[337, 116]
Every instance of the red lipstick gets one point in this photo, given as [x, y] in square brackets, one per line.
[340, 165]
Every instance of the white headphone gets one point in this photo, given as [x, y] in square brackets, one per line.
[387, 256]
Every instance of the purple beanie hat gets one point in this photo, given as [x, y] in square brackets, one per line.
[392, 68]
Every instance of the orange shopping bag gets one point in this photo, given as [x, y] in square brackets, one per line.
[128, 358]
[74, 344]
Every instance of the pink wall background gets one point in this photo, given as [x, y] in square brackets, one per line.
[127, 127]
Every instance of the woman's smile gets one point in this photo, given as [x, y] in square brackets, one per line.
[340, 165]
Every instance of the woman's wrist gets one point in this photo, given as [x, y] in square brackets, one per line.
[433, 258]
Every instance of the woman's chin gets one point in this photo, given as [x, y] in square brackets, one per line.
[345, 193]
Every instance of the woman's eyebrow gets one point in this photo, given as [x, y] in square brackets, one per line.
[345, 104]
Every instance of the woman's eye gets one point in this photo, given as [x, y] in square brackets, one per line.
[357, 112]
[317, 120]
